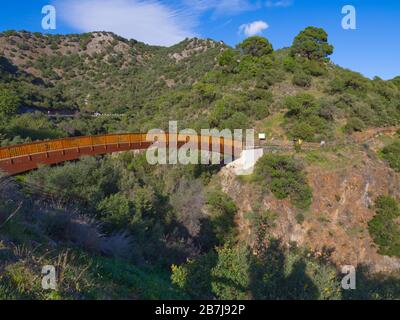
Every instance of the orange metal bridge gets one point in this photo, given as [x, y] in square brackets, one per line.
[25, 157]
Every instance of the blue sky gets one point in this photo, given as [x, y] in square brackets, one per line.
[372, 49]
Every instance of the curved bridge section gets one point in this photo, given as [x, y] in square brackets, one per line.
[25, 157]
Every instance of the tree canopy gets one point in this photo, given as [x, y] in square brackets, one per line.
[312, 43]
[8, 103]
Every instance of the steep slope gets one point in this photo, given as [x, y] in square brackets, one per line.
[346, 183]
[103, 72]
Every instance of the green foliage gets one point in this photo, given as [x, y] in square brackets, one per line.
[194, 277]
[231, 273]
[350, 82]
[166, 216]
[82, 276]
[383, 227]
[391, 153]
[163, 84]
[300, 218]
[33, 126]
[396, 81]
[234, 273]
[223, 274]
[301, 104]
[311, 117]
[116, 210]
[255, 46]
[301, 79]
[303, 130]
[312, 43]
[222, 211]
[289, 63]
[284, 177]
[354, 125]
[228, 60]
[314, 68]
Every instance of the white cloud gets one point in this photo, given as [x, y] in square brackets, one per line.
[251, 29]
[222, 7]
[152, 22]
[279, 3]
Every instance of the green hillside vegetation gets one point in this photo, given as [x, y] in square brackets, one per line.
[383, 227]
[117, 227]
[201, 83]
[391, 153]
[284, 178]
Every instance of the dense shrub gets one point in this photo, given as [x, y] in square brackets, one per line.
[383, 227]
[222, 212]
[302, 130]
[284, 177]
[314, 68]
[305, 117]
[228, 60]
[235, 273]
[255, 46]
[289, 64]
[312, 43]
[9, 103]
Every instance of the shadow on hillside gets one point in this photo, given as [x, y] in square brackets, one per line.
[269, 281]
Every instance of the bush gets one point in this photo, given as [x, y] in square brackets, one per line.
[302, 130]
[223, 274]
[314, 68]
[256, 46]
[302, 80]
[222, 211]
[305, 118]
[289, 64]
[354, 125]
[116, 211]
[259, 109]
[275, 273]
[312, 43]
[301, 104]
[383, 227]
[9, 103]
[284, 177]
[391, 154]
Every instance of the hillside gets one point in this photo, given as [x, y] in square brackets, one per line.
[137, 231]
[190, 82]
